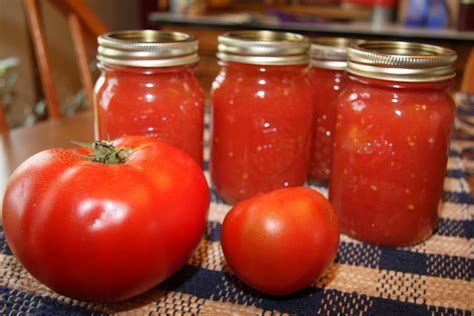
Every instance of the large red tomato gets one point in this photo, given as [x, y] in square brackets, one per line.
[282, 241]
[104, 232]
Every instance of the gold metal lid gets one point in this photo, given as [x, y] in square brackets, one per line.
[401, 61]
[147, 48]
[263, 48]
[329, 52]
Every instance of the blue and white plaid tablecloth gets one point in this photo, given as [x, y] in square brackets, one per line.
[432, 278]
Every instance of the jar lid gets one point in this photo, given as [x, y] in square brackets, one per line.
[147, 48]
[329, 52]
[401, 61]
[263, 48]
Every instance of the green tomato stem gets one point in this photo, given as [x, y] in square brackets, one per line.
[105, 152]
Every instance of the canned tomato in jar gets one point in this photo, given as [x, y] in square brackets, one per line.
[261, 113]
[392, 133]
[148, 87]
[328, 79]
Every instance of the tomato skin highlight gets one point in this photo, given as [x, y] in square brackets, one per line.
[104, 233]
[282, 241]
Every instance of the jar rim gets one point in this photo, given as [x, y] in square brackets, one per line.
[263, 47]
[330, 52]
[147, 48]
[401, 61]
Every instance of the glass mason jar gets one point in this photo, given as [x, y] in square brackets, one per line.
[327, 76]
[148, 87]
[394, 122]
[261, 114]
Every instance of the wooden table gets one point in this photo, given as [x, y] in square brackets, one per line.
[19, 144]
[430, 278]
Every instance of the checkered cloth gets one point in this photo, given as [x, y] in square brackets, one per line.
[432, 278]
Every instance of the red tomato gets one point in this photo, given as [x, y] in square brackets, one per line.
[282, 241]
[106, 232]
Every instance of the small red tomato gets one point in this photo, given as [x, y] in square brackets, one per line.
[282, 241]
[108, 229]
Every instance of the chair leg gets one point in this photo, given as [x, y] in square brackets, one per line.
[467, 84]
[39, 43]
[81, 55]
[3, 119]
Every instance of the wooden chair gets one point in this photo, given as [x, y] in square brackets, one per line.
[84, 26]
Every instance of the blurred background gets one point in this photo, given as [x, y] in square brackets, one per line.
[17, 55]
